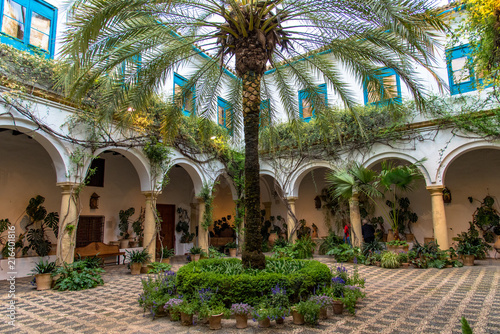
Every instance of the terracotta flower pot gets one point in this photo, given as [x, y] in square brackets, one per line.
[232, 252]
[241, 321]
[265, 323]
[468, 260]
[272, 239]
[323, 313]
[298, 319]
[186, 319]
[338, 307]
[43, 281]
[405, 265]
[124, 243]
[215, 321]
[195, 257]
[135, 268]
[167, 260]
[280, 320]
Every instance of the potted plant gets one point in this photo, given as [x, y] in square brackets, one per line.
[187, 310]
[404, 260]
[172, 306]
[138, 228]
[471, 246]
[137, 258]
[323, 301]
[280, 302]
[390, 260]
[397, 246]
[216, 313]
[124, 216]
[166, 254]
[263, 314]
[232, 248]
[241, 312]
[195, 253]
[306, 312]
[43, 274]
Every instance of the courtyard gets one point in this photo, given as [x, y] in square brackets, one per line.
[397, 301]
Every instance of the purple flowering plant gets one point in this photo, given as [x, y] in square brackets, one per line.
[156, 291]
[241, 309]
[322, 300]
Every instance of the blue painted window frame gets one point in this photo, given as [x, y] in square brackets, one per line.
[42, 8]
[380, 75]
[265, 113]
[303, 95]
[181, 81]
[466, 86]
[226, 107]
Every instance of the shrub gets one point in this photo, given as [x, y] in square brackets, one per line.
[346, 253]
[330, 242]
[310, 310]
[389, 260]
[158, 267]
[236, 285]
[213, 253]
[403, 257]
[76, 276]
[303, 248]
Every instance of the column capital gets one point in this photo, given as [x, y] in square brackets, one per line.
[151, 194]
[200, 200]
[292, 199]
[435, 189]
[68, 186]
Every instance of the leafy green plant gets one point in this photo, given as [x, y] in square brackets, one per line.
[91, 261]
[195, 250]
[397, 243]
[138, 224]
[371, 247]
[138, 256]
[182, 226]
[124, 216]
[310, 310]
[486, 218]
[76, 276]
[331, 241]
[469, 243]
[465, 326]
[403, 257]
[303, 248]
[390, 260]
[43, 267]
[167, 253]
[213, 253]
[38, 216]
[158, 267]
[4, 226]
[231, 244]
[346, 253]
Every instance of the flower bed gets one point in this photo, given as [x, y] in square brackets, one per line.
[237, 285]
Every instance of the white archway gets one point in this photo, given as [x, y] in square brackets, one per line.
[401, 156]
[58, 151]
[298, 176]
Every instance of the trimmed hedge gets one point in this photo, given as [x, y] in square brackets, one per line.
[251, 286]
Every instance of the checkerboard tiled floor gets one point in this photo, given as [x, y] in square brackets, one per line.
[398, 301]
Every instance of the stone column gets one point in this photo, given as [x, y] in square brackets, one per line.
[202, 232]
[356, 234]
[439, 216]
[150, 236]
[68, 224]
[292, 235]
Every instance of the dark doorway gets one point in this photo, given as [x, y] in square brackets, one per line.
[167, 233]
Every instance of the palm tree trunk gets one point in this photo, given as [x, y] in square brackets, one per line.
[252, 255]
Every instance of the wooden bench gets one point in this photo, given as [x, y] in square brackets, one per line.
[101, 250]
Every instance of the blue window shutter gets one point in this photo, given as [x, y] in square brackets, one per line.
[42, 8]
[468, 84]
[181, 82]
[307, 115]
[380, 75]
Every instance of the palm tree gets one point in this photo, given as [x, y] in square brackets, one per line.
[130, 47]
[349, 183]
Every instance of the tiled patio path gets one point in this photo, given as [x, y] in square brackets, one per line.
[398, 301]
